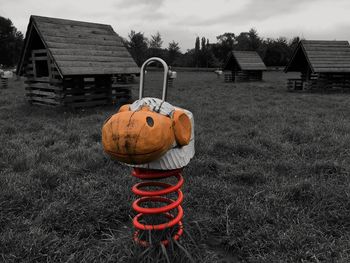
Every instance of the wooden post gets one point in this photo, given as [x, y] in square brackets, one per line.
[34, 66]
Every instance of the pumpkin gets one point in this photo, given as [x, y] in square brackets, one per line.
[139, 137]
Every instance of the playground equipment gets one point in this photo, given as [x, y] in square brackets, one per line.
[157, 140]
[4, 77]
[218, 72]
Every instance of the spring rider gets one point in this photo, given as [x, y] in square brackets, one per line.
[157, 140]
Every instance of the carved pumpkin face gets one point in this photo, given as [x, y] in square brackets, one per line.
[138, 137]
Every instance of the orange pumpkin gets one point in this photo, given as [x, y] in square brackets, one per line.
[139, 137]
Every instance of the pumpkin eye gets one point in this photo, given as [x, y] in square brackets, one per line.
[150, 121]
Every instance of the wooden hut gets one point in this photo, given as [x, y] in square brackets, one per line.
[73, 63]
[322, 65]
[243, 66]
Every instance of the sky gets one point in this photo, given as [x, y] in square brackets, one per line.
[184, 20]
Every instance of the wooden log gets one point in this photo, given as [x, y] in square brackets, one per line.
[34, 66]
[86, 58]
[120, 95]
[123, 79]
[4, 83]
[78, 35]
[228, 77]
[326, 42]
[85, 97]
[78, 29]
[86, 52]
[83, 46]
[295, 84]
[39, 58]
[332, 69]
[333, 53]
[87, 103]
[89, 79]
[335, 46]
[92, 70]
[41, 80]
[44, 99]
[47, 94]
[55, 74]
[336, 64]
[85, 91]
[120, 86]
[29, 72]
[340, 59]
[39, 51]
[43, 86]
[83, 41]
[43, 104]
[55, 82]
[96, 64]
[57, 21]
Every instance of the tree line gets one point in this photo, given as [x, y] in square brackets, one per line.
[274, 52]
[11, 41]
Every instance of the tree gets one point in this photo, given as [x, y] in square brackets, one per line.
[248, 40]
[186, 59]
[11, 42]
[225, 44]
[277, 52]
[202, 54]
[293, 43]
[156, 41]
[255, 41]
[155, 47]
[227, 39]
[243, 41]
[173, 52]
[196, 52]
[137, 46]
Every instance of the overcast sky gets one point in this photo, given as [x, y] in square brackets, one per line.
[183, 20]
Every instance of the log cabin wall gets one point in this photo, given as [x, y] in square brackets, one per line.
[248, 75]
[229, 76]
[43, 83]
[87, 91]
[328, 82]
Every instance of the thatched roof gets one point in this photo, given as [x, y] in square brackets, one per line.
[245, 60]
[321, 56]
[80, 48]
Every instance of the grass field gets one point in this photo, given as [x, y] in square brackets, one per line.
[269, 183]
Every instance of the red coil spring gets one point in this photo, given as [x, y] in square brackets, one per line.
[157, 196]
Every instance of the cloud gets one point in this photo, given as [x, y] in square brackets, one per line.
[183, 20]
[148, 4]
[140, 10]
[255, 10]
[154, 16]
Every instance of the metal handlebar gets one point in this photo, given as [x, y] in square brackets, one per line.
[166, 75]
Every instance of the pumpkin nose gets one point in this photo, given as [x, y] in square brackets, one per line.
[150, 121]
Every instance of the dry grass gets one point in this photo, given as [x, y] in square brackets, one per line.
[269, 183]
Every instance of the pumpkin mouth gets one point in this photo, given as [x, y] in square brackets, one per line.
[136, 158]
[131, 154]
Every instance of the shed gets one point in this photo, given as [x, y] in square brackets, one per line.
[243, 66]
[322, 64]
[75, 63]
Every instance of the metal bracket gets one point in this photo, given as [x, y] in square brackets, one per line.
[165, 80]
